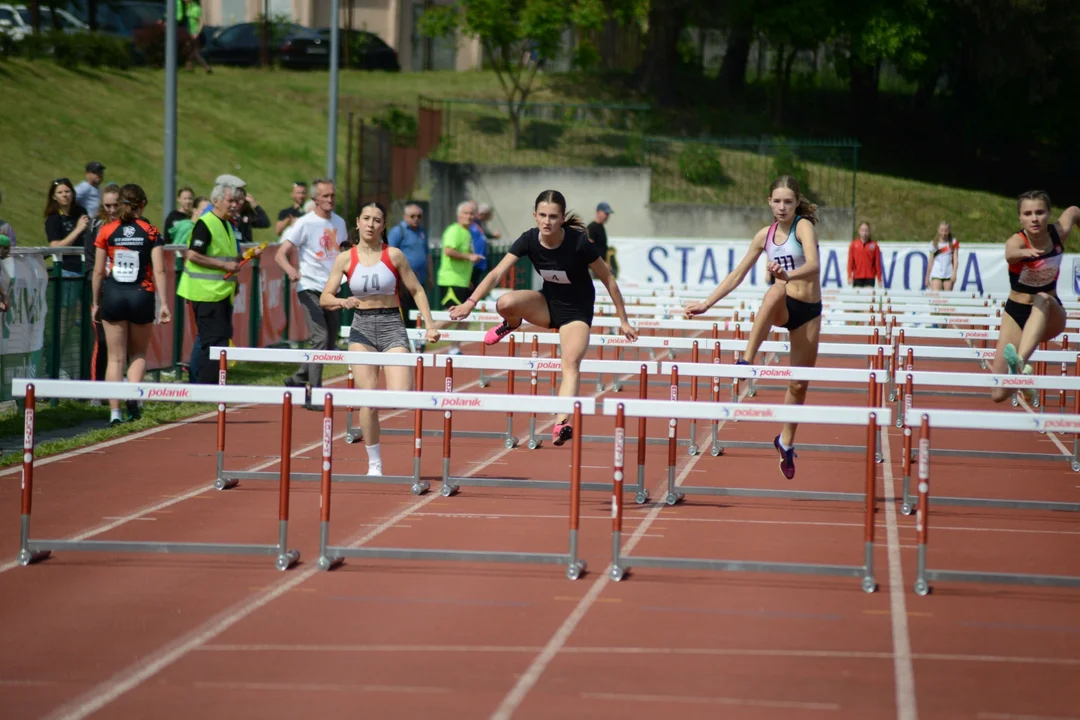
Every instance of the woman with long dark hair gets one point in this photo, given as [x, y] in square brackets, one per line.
[562, 253]
[129, 276]
[793, 301]
[373, 271]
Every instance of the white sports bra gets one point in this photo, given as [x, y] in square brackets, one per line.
[379, 279]
[790, 255]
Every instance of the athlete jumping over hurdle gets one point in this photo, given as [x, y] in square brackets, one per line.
[793, 302]
[374, 270]
[562, 254]
[1033, 312]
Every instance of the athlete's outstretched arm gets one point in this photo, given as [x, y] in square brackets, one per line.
[807, 237]
[1017, 250]
[1068, 220]
[460, 312]
[416, 290]
[734, 278]
[603, 274]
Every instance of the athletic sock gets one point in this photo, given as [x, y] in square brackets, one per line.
[115, 416]
[785, 448]
[374, 455]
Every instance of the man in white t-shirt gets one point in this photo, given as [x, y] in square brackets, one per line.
[318, 238]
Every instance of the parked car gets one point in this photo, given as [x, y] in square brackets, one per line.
[17, 22]
[367, 51]
[241, 44]
[120, 17]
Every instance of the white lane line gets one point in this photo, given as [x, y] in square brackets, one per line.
[148, 666]
[318, 687]
[697, 700]
[903, 668]
[531, 676]
[187, 495]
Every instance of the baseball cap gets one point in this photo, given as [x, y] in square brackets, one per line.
[95, 167]
[229, 180]
[606, 208]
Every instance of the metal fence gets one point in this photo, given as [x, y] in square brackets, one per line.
[737, 171]
[563, 134]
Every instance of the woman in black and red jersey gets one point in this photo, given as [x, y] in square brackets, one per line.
[1033, 312]
[129, 272]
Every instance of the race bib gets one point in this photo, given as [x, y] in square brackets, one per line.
[125, 266]
[555, 276]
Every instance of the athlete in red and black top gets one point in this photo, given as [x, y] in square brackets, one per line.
[562, 254]
[1033, 312]
[129, 274]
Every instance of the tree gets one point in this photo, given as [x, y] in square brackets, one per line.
[517, 37]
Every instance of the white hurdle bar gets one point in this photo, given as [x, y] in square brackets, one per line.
[968, 420]
[230, 478]
[873, 382]
[331, 556]
[1035, 422]
[31, 551]
[869, 417]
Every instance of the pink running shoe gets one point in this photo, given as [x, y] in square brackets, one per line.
[787, 459]
[498, 332]
[561, 433]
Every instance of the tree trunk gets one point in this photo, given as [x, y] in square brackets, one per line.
[659, 68]
[733, 71]
[864, 89]
[265, 54]
[35, 15]
[91, 14]
[784, 62]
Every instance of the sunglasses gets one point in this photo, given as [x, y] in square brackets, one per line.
[61, 181]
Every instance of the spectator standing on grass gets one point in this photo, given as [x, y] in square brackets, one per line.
[598, 234]
[213, 252]
[66, 221]
[318, 238]
[479, 245]
[185, 207]
[189, 18]
[864, 260]
[87, 193]
[294, 212]
[456, 265]
[249, 214]
[410, 237]
[483, 217]
[110, 206]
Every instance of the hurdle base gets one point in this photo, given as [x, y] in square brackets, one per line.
[30, 557]
[419, 487]
[451, 485]
[975, 576]
[626, 562]
[335, 556]
[764, 493]
[168, 548]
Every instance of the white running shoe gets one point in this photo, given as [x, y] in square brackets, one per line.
[374, 469]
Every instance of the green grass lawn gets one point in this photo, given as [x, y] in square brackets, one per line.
[270, 127]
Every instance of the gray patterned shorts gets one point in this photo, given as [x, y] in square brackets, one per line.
[379, 328]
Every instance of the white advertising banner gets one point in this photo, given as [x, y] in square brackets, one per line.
[22, 328]
[704, 263]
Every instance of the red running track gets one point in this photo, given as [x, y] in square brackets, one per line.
[122, 636]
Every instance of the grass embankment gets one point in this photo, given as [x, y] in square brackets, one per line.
[269, 127]
[70, 414]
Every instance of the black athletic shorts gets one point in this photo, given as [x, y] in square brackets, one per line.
[450, 296]
[1021, 312]
[562, 313]
[800, 313]
[863, 282]
[127, 304]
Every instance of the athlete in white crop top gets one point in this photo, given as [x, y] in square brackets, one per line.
[793, 302]
[376, 273]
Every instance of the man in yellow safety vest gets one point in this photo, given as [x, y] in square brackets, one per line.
[213, 253]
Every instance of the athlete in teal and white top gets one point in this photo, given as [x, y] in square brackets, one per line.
[794, 300]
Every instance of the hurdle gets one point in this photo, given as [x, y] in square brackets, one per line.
[33, 550]
[331, 556]
[826, 415]
[967, 420]
[1066, 383]
[872, 381]
[230, 478]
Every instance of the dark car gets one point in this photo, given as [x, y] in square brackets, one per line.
[241, 44]
[367, 51]
[119, 17]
